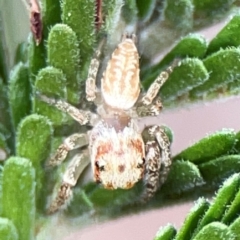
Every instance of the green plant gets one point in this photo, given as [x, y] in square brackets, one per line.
[58, 68]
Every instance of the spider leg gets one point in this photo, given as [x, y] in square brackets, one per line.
[157, 84]
[158, 161]
[153, 109]
[153, 164]
[83, 117]
[74, 141]
[70, 177]
[91, 88]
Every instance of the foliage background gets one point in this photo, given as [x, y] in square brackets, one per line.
[190, 75]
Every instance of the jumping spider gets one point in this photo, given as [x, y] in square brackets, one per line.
[117, 152]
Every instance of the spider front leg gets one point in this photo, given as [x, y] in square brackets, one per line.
[70, 177]
[158, 161]
[74, 141]
[91, 88]
[157, 84]
[83, 117]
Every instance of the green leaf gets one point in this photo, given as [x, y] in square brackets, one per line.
[4, 65]
[192, 45]
[215, 231]
[237, 146]
[103, 198]
[235, 228]
[63, 53]
[51, 82]
[192, 220]
[189, 74]
[34, 137]
[226, 37]
[224, 197]
[224, 67]
[130, 11]
[4, 150]
[21, 53]
[7, 230]
[18, 197]
[166, 233]
[233, 210]
[112, 11]
[145, 9]
[179, 14]
[211, 147]
[51, 14]
[5, 123]
[19, 93]
[216, 170]
[36, 58]
[183, 176]
[80, 16]
[207, 11]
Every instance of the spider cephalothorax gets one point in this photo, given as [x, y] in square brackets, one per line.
[117, 155]
[116, 149]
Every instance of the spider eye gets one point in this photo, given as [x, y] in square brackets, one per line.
[100, 168]
[140, 165]
[97, 164]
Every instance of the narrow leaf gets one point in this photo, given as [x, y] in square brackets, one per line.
[112, 11]
[183, 176]
[237, 146]
[224, 197]
[192, 220]
[36, 58]
[18, 197]
[63, 53]
[4, 64]
[193, 45]
[179, 14]
[166, 233]
[235, 228]
[80, 16]
[21, 53]
[189, 74]
[19, 94]
[5, 124]
[7, 230]
[51, 14]
[215, 231]
[226, 37]
[210, 147]
[216, 170]
[224, 68]
[130, 11]
[233, 210]
[145, 9]
[34, 142]
[4, 150]
[51, 82]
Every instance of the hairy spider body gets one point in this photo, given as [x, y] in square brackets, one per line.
[116, 145]
[116, 149]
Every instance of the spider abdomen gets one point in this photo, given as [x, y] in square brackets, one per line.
[120, 82]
